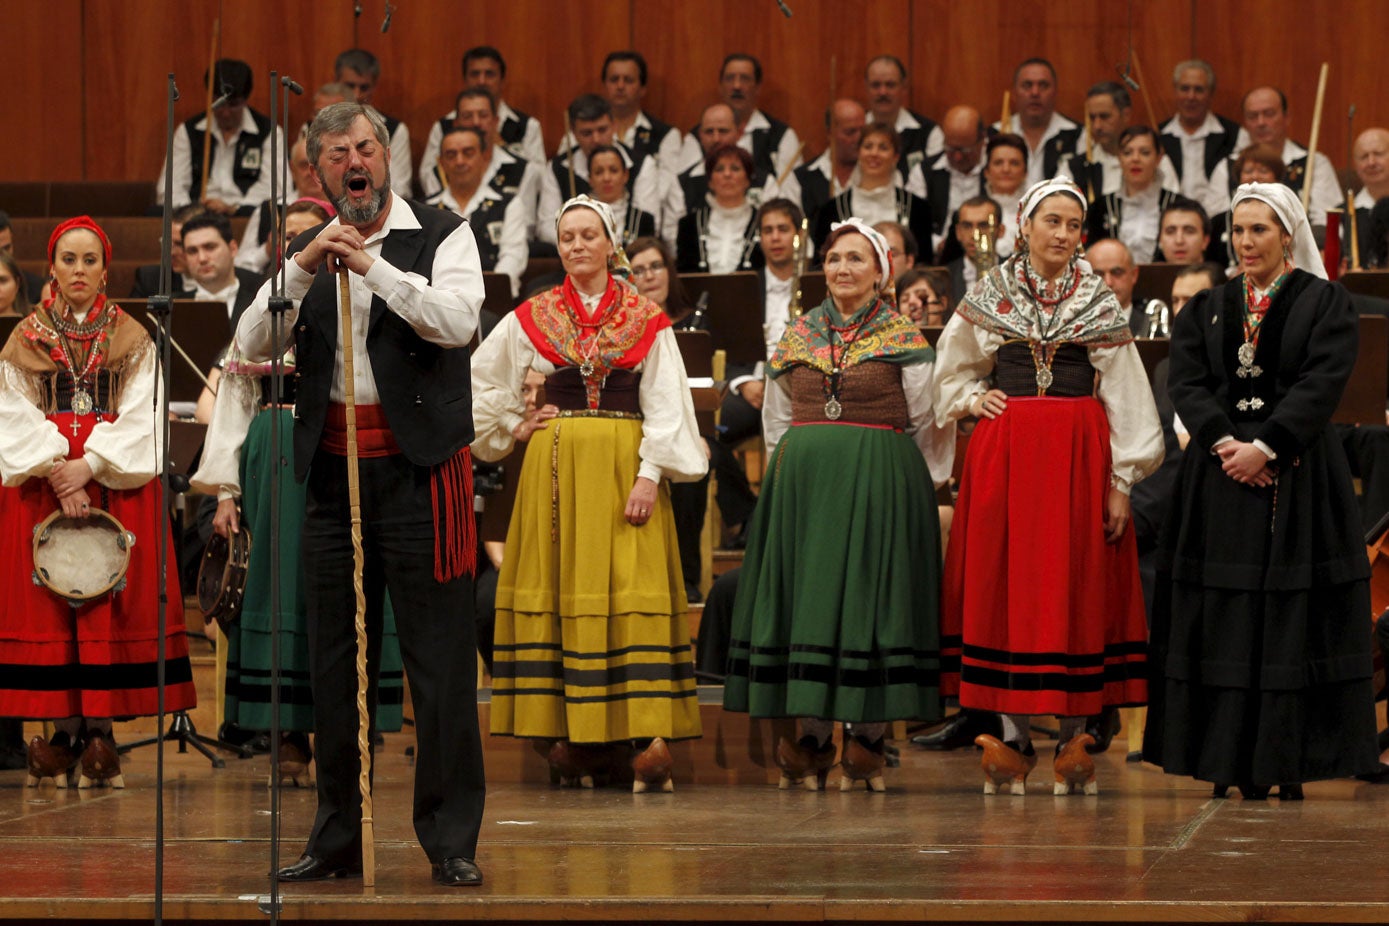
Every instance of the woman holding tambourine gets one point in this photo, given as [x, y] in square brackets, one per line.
[80, 445]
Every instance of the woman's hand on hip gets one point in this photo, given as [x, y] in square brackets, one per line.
[534, 421]
[989, 405]
[641, 501]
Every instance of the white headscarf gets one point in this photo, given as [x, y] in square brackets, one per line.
[1044, 188]
[876, 239]
[1288, 207]
[604, 213]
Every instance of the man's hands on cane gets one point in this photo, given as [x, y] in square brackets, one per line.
[335, 247]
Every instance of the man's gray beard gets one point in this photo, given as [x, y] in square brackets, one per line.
[364, 214]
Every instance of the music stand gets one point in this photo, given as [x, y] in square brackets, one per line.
[8, 323]
[735, 312]
[202, 341]
[1152, 351]
[1155, 282]
[697, 350]
[932, 333]
[1367, 282]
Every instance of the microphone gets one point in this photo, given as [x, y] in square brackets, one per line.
[294, 86]
[1128, 81]
[784, 8]
[219, 102]
[386, 23]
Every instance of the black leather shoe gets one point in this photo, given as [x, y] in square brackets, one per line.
[310, 868]
[961, 730]
[456, 872]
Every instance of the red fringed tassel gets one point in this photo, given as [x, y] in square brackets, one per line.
[455, 530]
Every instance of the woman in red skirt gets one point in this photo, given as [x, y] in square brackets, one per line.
[79, 431]
[1042, 610]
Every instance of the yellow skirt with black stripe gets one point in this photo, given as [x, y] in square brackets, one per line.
[592, 642]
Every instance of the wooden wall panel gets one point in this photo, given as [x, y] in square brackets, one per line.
[966, 53]
[41, 109]
[549, 47]
[125, 90]
[1250, 51]
[685, 44]
[96, 111]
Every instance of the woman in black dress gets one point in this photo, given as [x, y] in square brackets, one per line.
[1260, 655]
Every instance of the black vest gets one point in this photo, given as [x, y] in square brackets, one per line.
[425, 389]
[513, 132]
[914, 143]
[486, 222]
[246, 170]
[1219, 146]
[559, 165]
[694, 187]
[648, 140]
[815, 188]
[764, 144]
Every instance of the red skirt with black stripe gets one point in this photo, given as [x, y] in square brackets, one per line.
[99, 660]
[1040, 614]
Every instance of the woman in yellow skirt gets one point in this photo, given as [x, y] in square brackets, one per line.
[592, 651]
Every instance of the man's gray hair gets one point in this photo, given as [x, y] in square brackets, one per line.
[1194, 64]
[337, 119]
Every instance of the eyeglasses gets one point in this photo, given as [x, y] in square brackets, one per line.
[649, 269]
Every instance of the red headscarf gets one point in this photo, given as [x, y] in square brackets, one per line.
[82, 221]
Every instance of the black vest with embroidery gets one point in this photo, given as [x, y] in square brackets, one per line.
[1218, 146]
[246, 165]
[648, 140]
[764, 145]
[425, 390]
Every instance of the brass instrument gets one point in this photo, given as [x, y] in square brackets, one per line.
[800, 243]
[986, 245]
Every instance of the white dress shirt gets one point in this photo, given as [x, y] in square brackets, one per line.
[1141, 216]
[226, 295]
[220, 182]
[1035, 165]
[443, 309]
[724, 241]
[1195, 184]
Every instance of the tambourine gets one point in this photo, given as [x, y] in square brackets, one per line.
[81, 559]
[222, 577]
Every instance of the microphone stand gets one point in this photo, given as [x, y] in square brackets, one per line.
[278, 304]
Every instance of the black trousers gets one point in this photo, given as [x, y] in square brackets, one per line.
[437, 641]
[737, 422]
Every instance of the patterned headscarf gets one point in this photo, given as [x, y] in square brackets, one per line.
[1288, 207]
[604, 213]
[1041, 190]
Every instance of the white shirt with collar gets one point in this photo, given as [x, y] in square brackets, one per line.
[791, 189]
[226, 295]
[443, 309]
[786, 155]
[647, 190]
[935, 139]
[220, 182]
[1194, 182]
[1035, 165]
[1326, 193]
[1140, 217]
[963, 185]
[1112, 172]
[510, 238]
[532, 147]
[724, 239]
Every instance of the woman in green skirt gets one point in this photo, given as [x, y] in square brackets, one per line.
[837, 612]
[237, 466]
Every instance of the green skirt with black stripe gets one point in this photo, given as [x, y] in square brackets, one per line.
[248, 644]
[592, 639]
[837, 614]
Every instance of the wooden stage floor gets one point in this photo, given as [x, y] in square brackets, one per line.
[933, 849]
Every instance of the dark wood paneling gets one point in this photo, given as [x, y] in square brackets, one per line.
[41, 109]
[126, 79]
[553, 52]
[966, 53]
[94, 110]
[685, 43]
[1253, 50]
